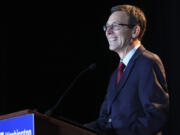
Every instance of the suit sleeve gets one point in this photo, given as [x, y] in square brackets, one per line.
[154, 100]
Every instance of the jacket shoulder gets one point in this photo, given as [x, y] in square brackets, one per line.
[148, 58]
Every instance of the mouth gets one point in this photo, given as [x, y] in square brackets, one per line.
[112, 39]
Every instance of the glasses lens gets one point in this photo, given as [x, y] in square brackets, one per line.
[104, 28]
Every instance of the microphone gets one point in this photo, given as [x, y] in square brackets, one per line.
[90, 67]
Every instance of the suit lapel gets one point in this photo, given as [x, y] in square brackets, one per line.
[117, 88]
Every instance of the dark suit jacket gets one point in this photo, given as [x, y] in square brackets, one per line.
[138, 105]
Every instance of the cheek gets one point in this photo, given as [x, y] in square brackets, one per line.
[124, 37]
[120, 39]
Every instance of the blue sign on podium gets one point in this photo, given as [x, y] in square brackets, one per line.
[19, 125]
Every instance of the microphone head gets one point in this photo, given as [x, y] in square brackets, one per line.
[92, 66]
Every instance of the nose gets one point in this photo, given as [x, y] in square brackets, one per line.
[109, 31]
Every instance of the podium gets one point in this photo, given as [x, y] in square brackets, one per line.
[29, 122]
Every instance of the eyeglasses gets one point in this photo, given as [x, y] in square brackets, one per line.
[115, 27]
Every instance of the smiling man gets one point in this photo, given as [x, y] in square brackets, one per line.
[137, 100]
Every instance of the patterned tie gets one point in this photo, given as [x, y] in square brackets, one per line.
[120, 71]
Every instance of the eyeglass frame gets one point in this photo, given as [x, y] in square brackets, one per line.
[105, 27]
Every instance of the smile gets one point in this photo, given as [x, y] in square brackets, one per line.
[112, 39]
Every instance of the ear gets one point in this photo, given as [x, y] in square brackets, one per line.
[136, 31]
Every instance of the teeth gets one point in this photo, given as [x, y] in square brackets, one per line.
[112, 39]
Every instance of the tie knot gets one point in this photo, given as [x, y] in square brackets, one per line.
[121, 66]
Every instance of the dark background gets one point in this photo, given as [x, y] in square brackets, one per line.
[47, 44]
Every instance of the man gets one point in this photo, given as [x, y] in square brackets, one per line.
[137, 101]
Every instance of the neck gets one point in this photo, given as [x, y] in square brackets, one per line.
[123, 52]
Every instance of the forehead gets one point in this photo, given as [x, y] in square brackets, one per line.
[118, 16]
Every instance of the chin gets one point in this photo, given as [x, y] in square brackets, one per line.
[113, 48]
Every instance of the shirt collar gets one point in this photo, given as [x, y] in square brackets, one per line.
[129, 55]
